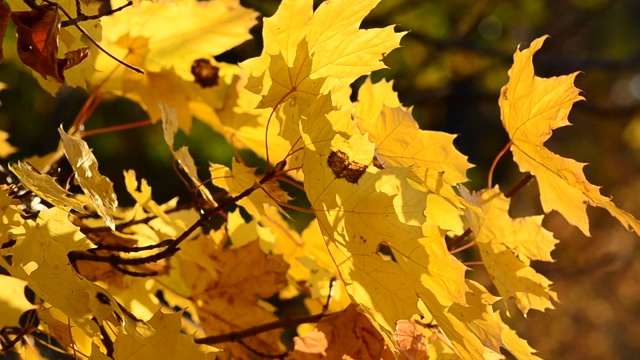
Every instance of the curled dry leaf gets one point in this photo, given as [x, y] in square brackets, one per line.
[38, 32]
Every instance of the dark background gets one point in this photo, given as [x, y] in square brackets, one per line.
[451, 67]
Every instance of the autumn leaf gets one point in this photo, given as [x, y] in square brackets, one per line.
[517, 346]
[507, 247]
[40, 257]
[308, 53]
[531, 107]
[170, 127]
[160, 338]
[347, 334]
[166, 53]
[97, 187]
[5, 148]
[243, 126]
[40, 40]
[473, 330]
[374, 225]
[12, 301]
[46, 188]
[230, 300]
[434, 163]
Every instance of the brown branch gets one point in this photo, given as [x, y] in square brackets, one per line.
[172, 246]
[256, 330]
[83, 17]
[521, 184]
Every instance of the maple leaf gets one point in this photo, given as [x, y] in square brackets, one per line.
[308, 53]
[5, 148]
[97, 187]
[46, 188]
[368, 215]
[531, 107]
[12, 301]
[473, 330]
[507, 247]
[434, 162]
[229, 300]
[40, 257]
[160, 338]
[10, 216]
[243, 126]
[38, 32]
[78, 54]
[347, 334]
[143, 197]
[169, 129]
[199, 30]
[517, 346]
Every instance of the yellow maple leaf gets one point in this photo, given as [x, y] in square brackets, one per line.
[507, 247]
[143, 197]
[199, 30]
[12, 301]
[97, 187]
[531, 107]
[374, 225]
[160, 338]
[434, 163]
[473, 330]
[47, 188]
[183, 157]
[242, 125]
[227, 299]
[517, 346]
[40, 257]
[5, 148]
[308, 53]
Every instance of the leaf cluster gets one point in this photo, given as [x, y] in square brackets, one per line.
[382, 269]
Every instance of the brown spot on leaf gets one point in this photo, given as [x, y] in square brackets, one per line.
[206, 74]
[342, 168]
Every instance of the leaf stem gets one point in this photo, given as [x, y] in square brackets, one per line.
[116, 128]
[495, 162]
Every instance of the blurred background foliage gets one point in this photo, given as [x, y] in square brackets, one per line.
[450, 69]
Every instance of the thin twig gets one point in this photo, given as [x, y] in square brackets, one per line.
[237, 335]
[521, 184]
[82, 17]
[85, 33]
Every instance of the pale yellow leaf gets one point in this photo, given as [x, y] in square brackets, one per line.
[507, 247]
[47, 188]
[531, 108]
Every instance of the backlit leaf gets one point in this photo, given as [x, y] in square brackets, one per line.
[531, 108]
[507, 247]
[97, 187]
